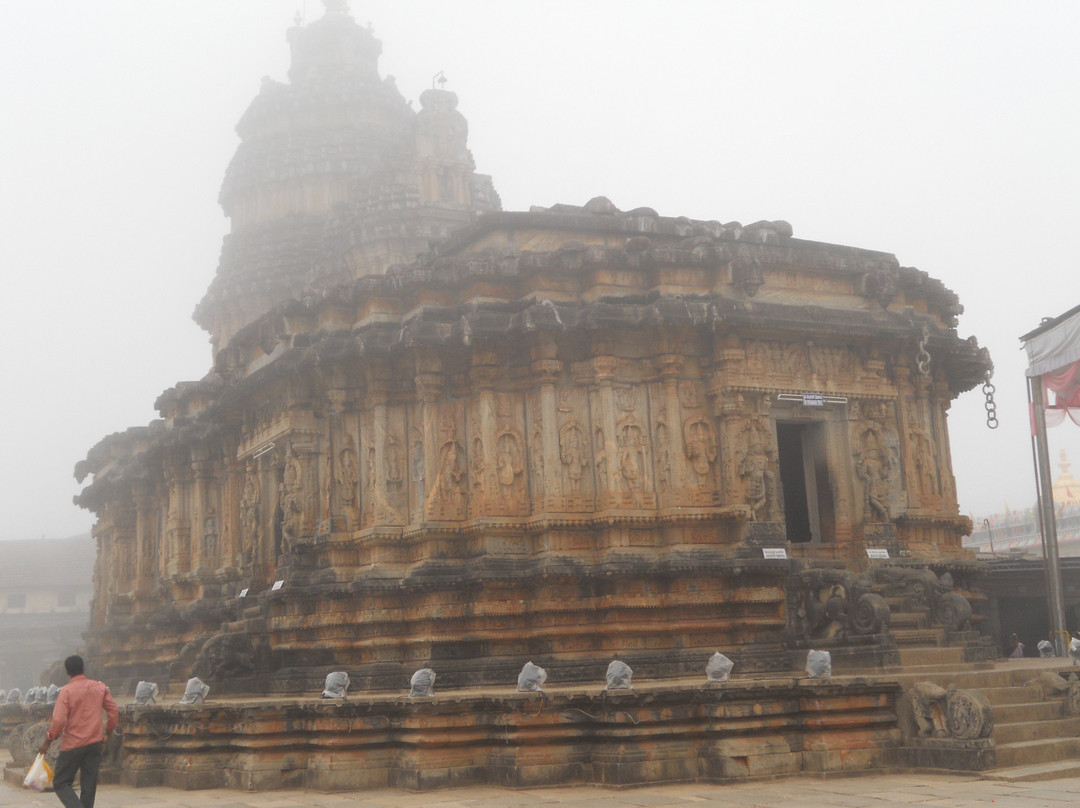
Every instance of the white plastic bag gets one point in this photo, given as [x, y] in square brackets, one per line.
[146, 693]
[618, 676]
[336, 686]
[422, 684]
[195, 692]
[40, 775]
[531, 679]
[819, 664]
[718, 669]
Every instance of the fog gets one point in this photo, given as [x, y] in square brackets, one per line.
[943, 133]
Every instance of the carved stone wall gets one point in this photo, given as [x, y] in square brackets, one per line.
[555, 435]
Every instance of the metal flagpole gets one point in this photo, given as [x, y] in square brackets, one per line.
[1037, 397]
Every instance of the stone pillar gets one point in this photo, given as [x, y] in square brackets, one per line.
[482, 480]
[608, 493]
[341, 499]
[670, 459]
[206, 533]
[429, 383]
[147, 519]
[546, 372]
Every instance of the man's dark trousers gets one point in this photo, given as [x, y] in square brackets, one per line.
[86, 760]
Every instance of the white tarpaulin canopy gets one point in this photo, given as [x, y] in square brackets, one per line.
[1054, 356]
[1053, 345]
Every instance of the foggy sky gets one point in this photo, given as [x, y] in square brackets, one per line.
[945, 133]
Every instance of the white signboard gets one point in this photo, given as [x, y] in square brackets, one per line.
[877, 552]
[774, 552]
[813, 399]
[243, 593]
[277, 585]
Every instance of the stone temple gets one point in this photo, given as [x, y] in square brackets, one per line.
[440, 434]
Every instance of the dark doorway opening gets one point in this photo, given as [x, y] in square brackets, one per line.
[789, 445]
[804, 481]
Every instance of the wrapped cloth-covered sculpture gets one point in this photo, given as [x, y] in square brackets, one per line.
[422, 684]
[718, 668]
[531, 679]
[195, 692]
[618, 676]
[146, 693]
[336, 686]
[819, 664]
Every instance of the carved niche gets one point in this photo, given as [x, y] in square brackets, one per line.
[699, 445]
[250, 523]
[348, 486]
[510, 471]
[632, 449]
[448, 496]
[755, 470]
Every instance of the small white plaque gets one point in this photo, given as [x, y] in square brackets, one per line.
[813, 399]
[243, 593]
[277, 585]
[877, 552]
[774, 552]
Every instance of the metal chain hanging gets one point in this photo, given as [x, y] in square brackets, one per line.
[922, 358]
[991, 407]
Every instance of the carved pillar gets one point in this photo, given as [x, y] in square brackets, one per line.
[147, 520]
[669, 458]
[608, 495]
[481, 446]
[429, 382]
[206, 539]
[546, 373]
[342, 465]
[177, 542]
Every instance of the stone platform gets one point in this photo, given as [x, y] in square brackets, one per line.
[672, 731]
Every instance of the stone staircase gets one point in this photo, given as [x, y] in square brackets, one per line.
[1033, 738]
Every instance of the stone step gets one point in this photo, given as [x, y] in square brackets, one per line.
[907, 620]
[973, 676]
[1038, 771]
[899, 603]
[919, 637]
[1029, 753]
[1036, 730]
[1023, 700]
[918, 656]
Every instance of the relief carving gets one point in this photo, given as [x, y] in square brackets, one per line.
[663, 452]
[624, 399]
[690, 395]
[925, 450]
[632, 446]
[508, 460]
[874, 469]
[416, 462]
[249, 515]
[601, 459]
[447, 497]
[699, 444]
[348, 482]
[758, 480]
[292, 499]
[395, 463]
[210, 538]
[573, 453]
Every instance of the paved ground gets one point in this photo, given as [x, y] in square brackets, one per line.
[878, 791]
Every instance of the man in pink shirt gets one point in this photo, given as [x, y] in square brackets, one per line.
[77, 715]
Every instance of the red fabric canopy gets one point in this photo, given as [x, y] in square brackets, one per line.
[1065, 401]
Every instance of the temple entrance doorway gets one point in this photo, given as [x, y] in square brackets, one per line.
[804, 480]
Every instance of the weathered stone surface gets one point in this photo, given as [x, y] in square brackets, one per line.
[436, 434]
[656, 733]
